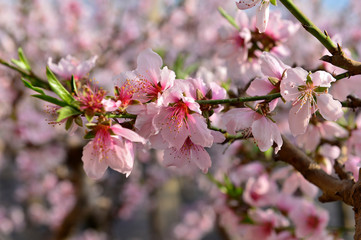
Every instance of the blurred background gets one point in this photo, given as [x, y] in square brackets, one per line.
[44, 193]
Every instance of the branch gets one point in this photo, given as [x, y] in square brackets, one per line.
[338, 57]
[351, 102]
[240, 99]
[28, 75]
[308, 25]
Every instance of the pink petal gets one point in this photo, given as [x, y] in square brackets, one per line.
[127, 133]
[218, 92]
[310, 139]
[242, 18]
[218, 137]
[237, 119]
[322, 79]
[299, 117]
[262, 134]
[121, 158]
[126, 79]
[266, 132]
[331, 130]
[149, 64]
[201, 158]
[176, 158]
[245, 4]
[158, 142]
[198, 131]
[272, 66]
[260, 87]
[294, 78]
[174, 131]
[262, 16]
[167, 78]
[329, 108]
[94, 167]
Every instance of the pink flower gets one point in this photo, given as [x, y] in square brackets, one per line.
[260, 191]
[264, 131]
[236, 42]
[111, 105]
[145, 83]
[327, 130]
[72, 66]
[266, 222]
[309, 93]
[115, 151]
[189, 153]
[126, 85]
[91, 100]
[351, 86]
[273, 69]
[145, 118]
[182, 129]
[152, 79]
[204, 91]
[293, 181]
[180, 118]
[309, 221]
[262, 12]
[280, 29]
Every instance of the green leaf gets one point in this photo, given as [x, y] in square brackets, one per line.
[19, 63]
[51, 100]
[74, 88]
[273, 2]
[78, 121]
[89, 116]
[66, 112]
[229, 18]
[24, 59]
[89, 135]
[58, 88]
[23, 62]
[68, 123]
[29, 85]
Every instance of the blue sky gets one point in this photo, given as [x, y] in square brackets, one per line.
[336, 4]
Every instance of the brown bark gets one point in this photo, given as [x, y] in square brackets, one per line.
[339, 59]
[72, 219]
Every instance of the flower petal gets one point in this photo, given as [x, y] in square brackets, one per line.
[329, 108]
[94, 167]
[322, 79]
[121, 158]
[148, 65]
[127, 133]
[262, 134]
[237, 119]
[293, 78]
[176, 158]
[201, 158]
[260, 87]
[245, 4]
[272, 66]
[299, 117]
[262, 16]
[198, 130]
